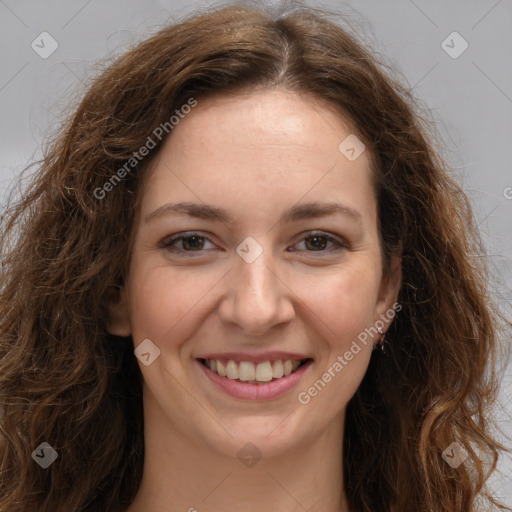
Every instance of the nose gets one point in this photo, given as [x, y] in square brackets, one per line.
[256, 298]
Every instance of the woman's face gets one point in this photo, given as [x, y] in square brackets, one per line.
[255, 267]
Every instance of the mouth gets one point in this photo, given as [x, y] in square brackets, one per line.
[250, 380]
[253, 373]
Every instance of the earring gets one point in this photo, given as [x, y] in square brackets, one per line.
[382, 340]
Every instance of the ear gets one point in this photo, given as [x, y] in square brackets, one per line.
[118, 310]
[389, 288]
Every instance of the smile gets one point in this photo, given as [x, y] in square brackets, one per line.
[246, 371]
[256, 381]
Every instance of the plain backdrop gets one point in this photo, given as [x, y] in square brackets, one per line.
[454, 55]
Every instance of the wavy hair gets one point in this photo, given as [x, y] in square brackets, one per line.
[64, 380]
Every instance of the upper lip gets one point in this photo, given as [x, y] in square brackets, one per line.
[256, 358]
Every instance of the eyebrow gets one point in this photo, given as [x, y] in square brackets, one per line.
[295, 213]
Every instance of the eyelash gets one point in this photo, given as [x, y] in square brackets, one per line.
[169, 241]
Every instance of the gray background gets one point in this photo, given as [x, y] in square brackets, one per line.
[469, 97]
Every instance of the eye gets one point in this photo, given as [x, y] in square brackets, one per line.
[317, 241]
[189, 242]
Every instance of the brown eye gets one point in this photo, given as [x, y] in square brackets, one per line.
[185, 243]
[316, 243]
[319, 242]
[193, 242]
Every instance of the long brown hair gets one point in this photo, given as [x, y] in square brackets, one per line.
[65, 244]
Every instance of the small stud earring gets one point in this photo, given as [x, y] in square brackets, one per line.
[382, 340]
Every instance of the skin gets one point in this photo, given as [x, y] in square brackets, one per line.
[256, 154]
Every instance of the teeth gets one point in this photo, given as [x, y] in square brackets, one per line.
[221, 370]
[288, 367]
[247, 371]
[232, 370]
[264, 372]
[277, 370]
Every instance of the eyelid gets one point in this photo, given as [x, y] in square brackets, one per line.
[342, 244]
[167, 242]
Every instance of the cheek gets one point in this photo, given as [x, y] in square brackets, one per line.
[343, 309]
[165, 303]
[344, 305]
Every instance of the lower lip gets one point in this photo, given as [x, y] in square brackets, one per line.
[267, 391]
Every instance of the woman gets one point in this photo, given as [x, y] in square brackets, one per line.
[243, 278]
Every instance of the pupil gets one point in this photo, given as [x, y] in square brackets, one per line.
[194, 245]
[317, 239]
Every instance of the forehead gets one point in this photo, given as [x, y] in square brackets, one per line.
[273, 146]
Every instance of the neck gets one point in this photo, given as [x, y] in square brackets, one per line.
[187, 475]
